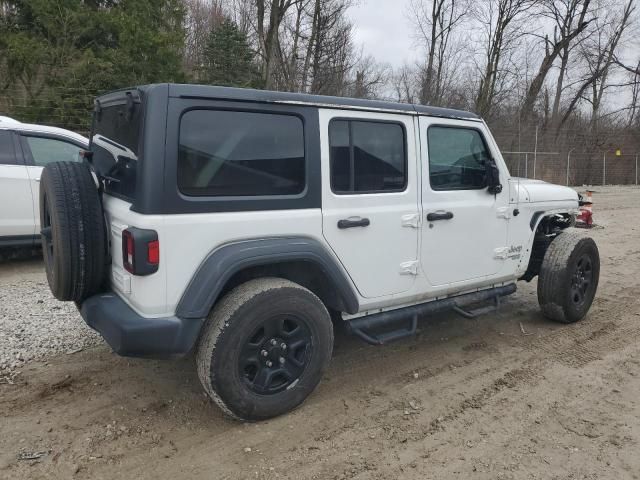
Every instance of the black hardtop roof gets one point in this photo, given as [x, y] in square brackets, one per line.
[267, 96]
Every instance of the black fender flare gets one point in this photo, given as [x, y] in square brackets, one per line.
[221, 264]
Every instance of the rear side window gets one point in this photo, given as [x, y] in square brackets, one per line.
[7, 153]
[367, 157]
[457, 158]
[48, 150]
[233, 153]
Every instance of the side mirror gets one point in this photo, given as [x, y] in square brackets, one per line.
[493, 177]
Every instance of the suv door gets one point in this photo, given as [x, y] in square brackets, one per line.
[16, 206]
[370, 212]
[465, 227]
[39, 150]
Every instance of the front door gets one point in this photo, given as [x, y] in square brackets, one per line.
[370, 209]
[465, 227]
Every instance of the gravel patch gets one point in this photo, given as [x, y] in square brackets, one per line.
[34, 325]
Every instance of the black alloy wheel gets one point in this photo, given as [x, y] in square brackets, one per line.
[276, 354]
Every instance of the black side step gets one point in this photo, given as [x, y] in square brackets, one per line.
[478, 311]
[403, 322]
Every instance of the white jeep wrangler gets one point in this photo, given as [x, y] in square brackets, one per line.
[239, 224]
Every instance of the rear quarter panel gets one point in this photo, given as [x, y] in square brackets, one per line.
[185, 242]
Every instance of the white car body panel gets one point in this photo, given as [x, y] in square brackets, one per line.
[539, 191]
[16, 202]
[185, 242]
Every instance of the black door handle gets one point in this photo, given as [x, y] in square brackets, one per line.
[352, 223]
[435, 216]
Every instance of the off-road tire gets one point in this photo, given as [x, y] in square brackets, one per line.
[562, 262]
[230, 326]
[73, 231]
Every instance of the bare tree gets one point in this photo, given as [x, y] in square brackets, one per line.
[268, 34]
[633, 82]
[601, 56]
[435, 21]
[201, 17]
[368, 78]
[570, 19]
[634, 104]
[502, 27]
[404, 84]
[243, 13]
[289, 50]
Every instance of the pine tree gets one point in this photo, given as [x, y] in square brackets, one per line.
[228, 59]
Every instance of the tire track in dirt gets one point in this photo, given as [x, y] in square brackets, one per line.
[610, 326]
[574, 346]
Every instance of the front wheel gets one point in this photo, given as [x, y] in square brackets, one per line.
[569, 277]
[264, 348]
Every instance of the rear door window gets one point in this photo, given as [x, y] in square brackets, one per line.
[46, 150]
[367, 157]
[225, 153]
[7, 152]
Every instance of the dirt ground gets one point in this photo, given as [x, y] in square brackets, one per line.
[507, 396]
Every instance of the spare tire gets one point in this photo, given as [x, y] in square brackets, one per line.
[73, 231]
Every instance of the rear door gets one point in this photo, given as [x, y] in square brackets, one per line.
[39, 150]
[16, 206]
[465, 229]
[370, 198]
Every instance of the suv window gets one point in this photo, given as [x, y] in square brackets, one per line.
[234, 153]
[457, 158]
[7, 153]
[367, 157]
[47, 150]
[115, 142]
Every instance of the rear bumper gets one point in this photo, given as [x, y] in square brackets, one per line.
[132, 335]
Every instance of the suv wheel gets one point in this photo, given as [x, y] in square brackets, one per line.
[264, 348]
[568, 277]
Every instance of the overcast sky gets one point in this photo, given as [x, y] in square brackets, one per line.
[384, 31]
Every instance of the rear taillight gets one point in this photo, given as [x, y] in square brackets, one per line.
[140, 251]
[153, 252]
[128, 251]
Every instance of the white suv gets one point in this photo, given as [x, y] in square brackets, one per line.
[24, 150]
[239, 224]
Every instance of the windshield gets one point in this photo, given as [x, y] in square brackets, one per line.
[115, 143]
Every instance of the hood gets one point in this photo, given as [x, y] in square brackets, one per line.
[538, 191]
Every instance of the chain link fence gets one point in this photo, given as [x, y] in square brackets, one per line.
[598, 168]
[571, 155]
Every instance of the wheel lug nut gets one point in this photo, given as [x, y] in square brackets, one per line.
[264, 353]
[269, 363]
[281, 360]
[283, 346]
[273, 342]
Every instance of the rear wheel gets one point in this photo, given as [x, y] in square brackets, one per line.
[569, 276]
[264, 348]
[72, 231]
